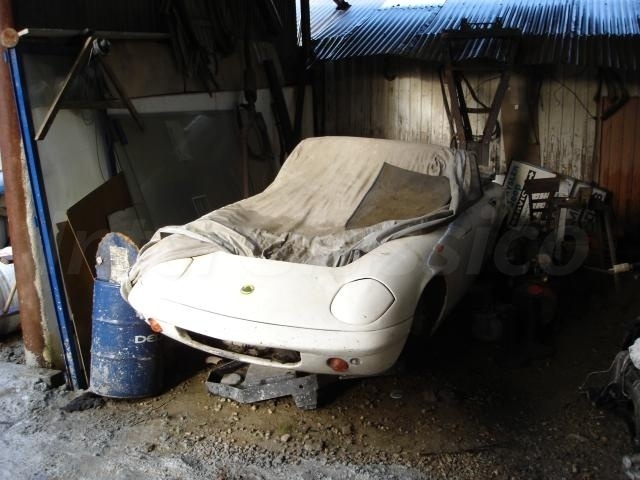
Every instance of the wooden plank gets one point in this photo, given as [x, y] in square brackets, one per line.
[605, 140]
[391, 119]
[585, 141]
[380, 112]
[551, 160]
[330, 98]
[615, 153]
[543, 120]
[359, 102]
[404, 100]
[440, 132]
[342, 99]
[496, 148]
[374, 101]
[415, 103]
[581, 116]
[568, 107]
[427, 104]
[121, 92]
[367, 92]
[79, 63]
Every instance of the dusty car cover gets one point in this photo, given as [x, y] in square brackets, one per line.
[334, 200]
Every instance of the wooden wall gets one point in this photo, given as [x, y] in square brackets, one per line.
[567, 121]
[553, 110]
[619, 169]
[359, 100]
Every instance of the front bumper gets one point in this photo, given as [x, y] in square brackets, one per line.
[367, 353]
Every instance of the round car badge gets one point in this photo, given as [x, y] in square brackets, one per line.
[247, 289]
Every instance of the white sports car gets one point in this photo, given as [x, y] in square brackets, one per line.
[356, 243]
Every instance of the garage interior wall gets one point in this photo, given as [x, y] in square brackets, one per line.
[402, 99]
[73, 155]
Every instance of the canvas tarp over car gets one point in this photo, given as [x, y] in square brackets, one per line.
[334, 200]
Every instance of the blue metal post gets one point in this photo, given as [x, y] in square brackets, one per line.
[43, 221]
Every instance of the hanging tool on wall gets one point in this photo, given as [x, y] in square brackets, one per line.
[201, 31]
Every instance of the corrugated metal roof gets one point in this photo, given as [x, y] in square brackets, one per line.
[376, 31]
[594, 32]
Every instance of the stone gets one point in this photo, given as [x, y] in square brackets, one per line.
[313, 445]
[346, 429]
[231, 379]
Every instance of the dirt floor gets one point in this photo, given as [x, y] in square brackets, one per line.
[458, 409]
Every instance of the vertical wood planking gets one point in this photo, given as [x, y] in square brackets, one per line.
[629, 142]
[330, 98]
[552, 160]
[634, 211]
[440, 131]
[620, 164]
[605, 153]
[404, 101]
[391, 120]
[375, 98]
[585, 131]
[361, 101]
[564, 154]
[543, 120]
[426, 104]
[367, 89]
[415, 102]
[356, 100]
[339, 96]
[615, 143]
[381, 105]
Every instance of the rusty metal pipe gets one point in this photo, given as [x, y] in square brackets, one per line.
[15, 199]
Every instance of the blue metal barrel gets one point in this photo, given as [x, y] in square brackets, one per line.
[126, 356]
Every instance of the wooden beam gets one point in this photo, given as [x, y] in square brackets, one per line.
[80, 62]
[121, 92]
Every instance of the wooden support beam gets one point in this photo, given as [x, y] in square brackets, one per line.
[121, 92]
[79, 63]
[498, 97]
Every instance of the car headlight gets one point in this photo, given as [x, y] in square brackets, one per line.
[361, 302]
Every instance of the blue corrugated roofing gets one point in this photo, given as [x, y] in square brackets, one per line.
[595, 32]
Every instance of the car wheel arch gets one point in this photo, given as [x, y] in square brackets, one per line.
[430, 307]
